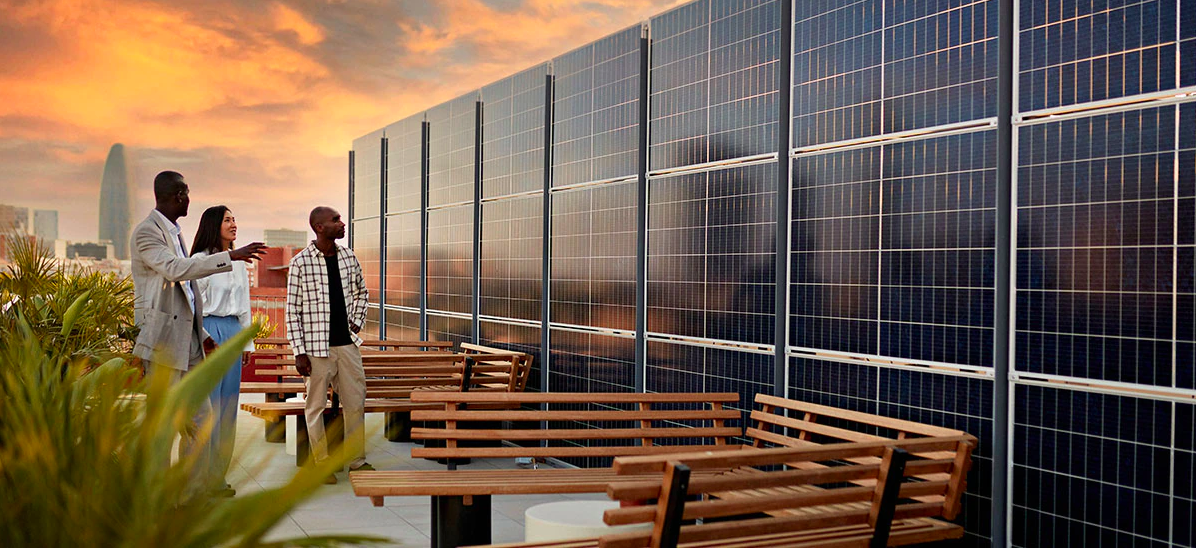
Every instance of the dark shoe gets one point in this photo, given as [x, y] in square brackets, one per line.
[330, 480]
[365, 466]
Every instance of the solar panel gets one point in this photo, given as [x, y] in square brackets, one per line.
[1076, 52]
[1096, 252]
[711, 254]
[592, 268]
[519, 338]
[402, 325]
[451, 142]
[1096, 469]
[714, 82]
[373, 319]
[864, 68]
[596, 110]
[591, 362]
[450, 259]
[672, 367]
[403, 260]
[513, 134]
[455, 329]
[511, 262]
[404, 141]
[367, 244]
[894, 250]
[367, 176]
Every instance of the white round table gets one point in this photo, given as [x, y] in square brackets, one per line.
[572, 519]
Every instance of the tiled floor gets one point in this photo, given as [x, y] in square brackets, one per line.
[335, 510]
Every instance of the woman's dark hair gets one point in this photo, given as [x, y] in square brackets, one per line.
[207, 237]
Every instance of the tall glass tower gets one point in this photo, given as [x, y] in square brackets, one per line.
[114, 202]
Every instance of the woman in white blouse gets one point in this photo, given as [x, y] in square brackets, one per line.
[226, 312]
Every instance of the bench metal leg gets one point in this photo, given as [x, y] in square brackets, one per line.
[398, 426]
[455, 523]
[334, 434]
[302, 446]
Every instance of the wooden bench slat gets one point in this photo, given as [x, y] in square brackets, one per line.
[877, 420]
[590, 397]
[553, 452]
[635, 415]
[570, 434]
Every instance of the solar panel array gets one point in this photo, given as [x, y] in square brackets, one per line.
[892, 275]
[404, 147]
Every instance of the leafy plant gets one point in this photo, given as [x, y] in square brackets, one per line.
[85, 444]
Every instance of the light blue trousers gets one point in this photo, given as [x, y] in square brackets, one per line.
[224, 401]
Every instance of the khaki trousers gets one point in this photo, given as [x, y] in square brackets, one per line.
[342, 370]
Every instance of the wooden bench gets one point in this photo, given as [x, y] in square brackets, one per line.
[809, 496]
[778, 422]
[388, 390]
[644, 424]
[282, 344]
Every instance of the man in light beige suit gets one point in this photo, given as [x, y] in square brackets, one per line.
[168, 308]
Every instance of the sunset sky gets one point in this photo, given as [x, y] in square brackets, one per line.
[256, 103]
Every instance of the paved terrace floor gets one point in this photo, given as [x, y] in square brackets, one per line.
[335, 510]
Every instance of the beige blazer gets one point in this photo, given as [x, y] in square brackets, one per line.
[171, 335]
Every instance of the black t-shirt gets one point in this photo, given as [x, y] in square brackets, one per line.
[338, 328]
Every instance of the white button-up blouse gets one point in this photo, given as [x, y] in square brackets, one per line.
[227, 294]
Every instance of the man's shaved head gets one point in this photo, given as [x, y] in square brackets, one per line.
[319, 214]
[167, 184]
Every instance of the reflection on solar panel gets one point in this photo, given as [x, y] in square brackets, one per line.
[959, 402]
[863, 68]
[520, 338]
[593, 256]
[451, 141]
[513, 134]
[402, 325]
[1076, 52]
[711, 252]
[894, 250]
[404, 141]
[591, 362]
[367, 241]
[455, 329]
[1096, 247]
[684, 368]
[372, 323]
[1096, 469]
[596, 110]
[714, 82]
[450, 259]
[367, 176]
[403, 260]
[512, 251]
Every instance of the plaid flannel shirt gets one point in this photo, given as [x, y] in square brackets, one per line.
[308, 316]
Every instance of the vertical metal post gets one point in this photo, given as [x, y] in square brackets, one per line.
[425, 133]
[477, 218]
[781, 319]
[641, 218]
[352, 157]
[382, 239]
[1001, 318]
[546, 227]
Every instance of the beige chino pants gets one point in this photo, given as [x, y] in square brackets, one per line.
[342, 370]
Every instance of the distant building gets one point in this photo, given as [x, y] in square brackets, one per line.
[45, 224]
[14, 218]
[115, 215]
[7, 242]
[279, 237]
[101, 250]
[271, 271]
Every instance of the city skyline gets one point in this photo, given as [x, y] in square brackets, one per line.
[246, 102]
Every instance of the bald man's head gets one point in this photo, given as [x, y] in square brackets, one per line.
[326, 223]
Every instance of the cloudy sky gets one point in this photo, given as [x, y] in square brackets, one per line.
[256, 103]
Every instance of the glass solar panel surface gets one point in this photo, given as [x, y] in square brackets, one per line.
[367, 176]
[596, 110]
[714, 82]
[451, 141]
[403, 260]
[450, 259]
[511, 262]
[403, 170]
[513, 134]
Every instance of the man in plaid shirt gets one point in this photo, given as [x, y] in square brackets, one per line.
[326, 305]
